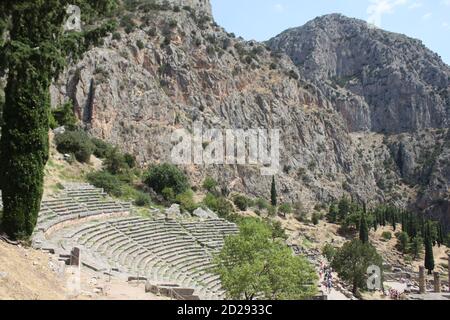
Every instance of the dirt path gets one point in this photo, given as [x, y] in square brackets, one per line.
[26, 274]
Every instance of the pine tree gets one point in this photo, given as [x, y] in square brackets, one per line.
[34, 53]
[429, 256]
[273, 193]
[363, 229]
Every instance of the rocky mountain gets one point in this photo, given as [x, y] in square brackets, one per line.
[382, 82]
[169, 66]
[379, 81]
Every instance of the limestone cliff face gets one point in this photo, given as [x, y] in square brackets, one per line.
[203, 6]
[379, 81]
[136, 89]
[423, 161]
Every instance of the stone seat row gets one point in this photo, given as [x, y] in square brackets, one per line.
[169, 252]
[176, 258]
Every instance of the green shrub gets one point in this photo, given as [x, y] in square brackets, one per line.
[300, 212]
[76, 142]
[117, 36]
[262, 204]
[130, 160]
[168, 194]
[164, 176]
[285, 209]
[387, 235]
[315, 218]
[329, 252]
[242, 202]
[101, 148]
[219, 205]
[64, 116]
[103, 179]
[126, 176]
[142, 199]
[115, 162]
[210, 184]
[140, 44]
[278, 232]
[210, 201]
[127, 23]
[173, 24]
[186, 201]
[224, 208]
[52, 123]
[272, 211]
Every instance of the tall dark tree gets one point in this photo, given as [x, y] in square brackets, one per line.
[363, 229]
[404, 229]
[36, 50]
[383, 217]
[429, 256]
[393, 218]
[440, 239]
[273, 193]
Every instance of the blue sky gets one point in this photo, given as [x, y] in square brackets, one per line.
[427, 20]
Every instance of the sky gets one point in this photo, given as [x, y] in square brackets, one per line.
[427, 20]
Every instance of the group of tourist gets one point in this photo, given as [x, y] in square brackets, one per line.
[326, 273]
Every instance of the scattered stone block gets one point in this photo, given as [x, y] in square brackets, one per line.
[173, 212]
[205, 214]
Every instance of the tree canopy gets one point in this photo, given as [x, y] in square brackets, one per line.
[253, 265]
[352, 260]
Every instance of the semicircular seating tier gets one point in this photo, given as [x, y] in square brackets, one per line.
[176, 252]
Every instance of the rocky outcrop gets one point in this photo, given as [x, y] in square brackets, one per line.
[176, 68]
[203, 6]
[378, 80]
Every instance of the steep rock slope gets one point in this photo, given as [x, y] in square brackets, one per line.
[137, 88]
[177, 66]
[387, 83]
[378, 80]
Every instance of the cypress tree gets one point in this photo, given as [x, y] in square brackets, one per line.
[422, 224]
[363, 229]
[412, 226]
[403, 222]
[273, 193]
[383, 217]
[407, 225]
[440, 240]
[429, 256]
[393, 219]
[34, 54]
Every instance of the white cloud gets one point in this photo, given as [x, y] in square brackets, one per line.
[446, 25]
[279, 7]
[378, 8]
[415, 5]
[445, 2]
[427, 16]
